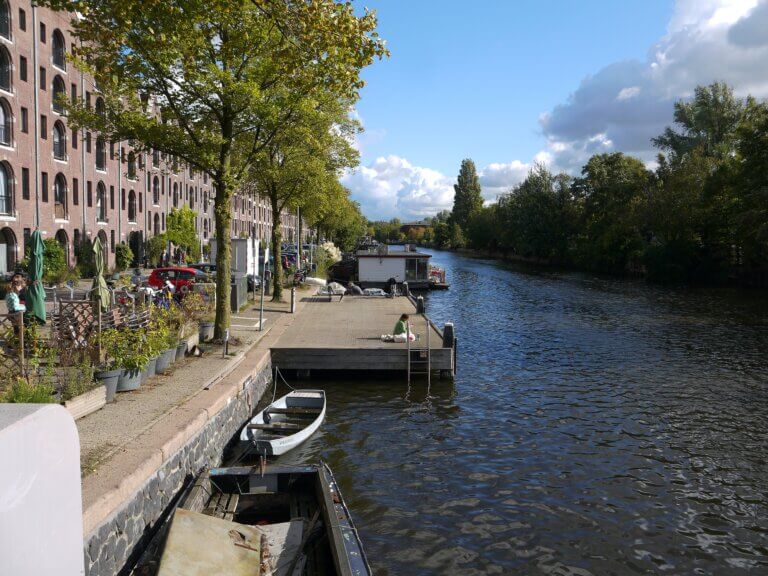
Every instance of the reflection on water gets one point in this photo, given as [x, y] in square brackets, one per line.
[596, 426]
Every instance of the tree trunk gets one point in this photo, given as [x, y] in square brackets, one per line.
[277, 236]
[223, 218]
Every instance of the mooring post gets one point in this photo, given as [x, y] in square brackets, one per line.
[420, 307]
[293, 300]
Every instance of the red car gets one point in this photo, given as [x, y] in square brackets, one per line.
[181, 277]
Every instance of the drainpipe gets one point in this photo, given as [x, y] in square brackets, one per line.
[119, 192]
[35, 74]
[82, 164]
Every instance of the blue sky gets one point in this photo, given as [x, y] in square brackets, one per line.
[509, 82]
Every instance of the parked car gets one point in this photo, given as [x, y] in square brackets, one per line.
[180, 276]
[207, 267]
[254, 282]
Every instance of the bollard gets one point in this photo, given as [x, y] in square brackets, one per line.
[420, 307]
[225, 349]
[406, 290]
[293, 300]
[448, 335]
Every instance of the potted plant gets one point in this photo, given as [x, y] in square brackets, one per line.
[162, 340]
[197, 308]
[128, 351]
[108, 373]
[82, 394]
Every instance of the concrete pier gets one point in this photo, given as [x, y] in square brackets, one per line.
[346, 335]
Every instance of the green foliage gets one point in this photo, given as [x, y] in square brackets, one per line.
[467, 200]
[84, 256]
[55, 269]
[123, 256]
[78, 380]
[23, 391]
[125, 348]
[155, 247]
[181, 231]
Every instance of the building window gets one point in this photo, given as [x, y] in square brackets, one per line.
[6, 189]
[175, 195]
[73, 93]
[60, 196]
[75, 192]
[122, 199]
[24, 120]
[25, 183]
[100, 108]
[59, 50]
[5, 20]
[89, 193]
[44, 185]
[101, 154]
[112, 241]
[59, 141]
[59, 94]
[42, 32]
[23, 68]
[131, 206]
[88, 99]
[43, 81]
[74, 139]
[88, 142]
[6, 123]
[156, 190]
[22, 20]
[141, 202]
[101, 202]
[43, 126]
[111, 150]
[5, 70]
[132, 166]
[155, 158]
[111, 197]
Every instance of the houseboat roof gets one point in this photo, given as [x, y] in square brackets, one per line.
[392, 251]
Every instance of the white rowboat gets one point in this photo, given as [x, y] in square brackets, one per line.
[285, 423]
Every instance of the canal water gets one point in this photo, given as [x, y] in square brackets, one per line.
[596, 426]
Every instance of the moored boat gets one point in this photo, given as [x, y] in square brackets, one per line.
[285, 423]
[285, 522]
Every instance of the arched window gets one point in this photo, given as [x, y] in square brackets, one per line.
[156, 190]
[101, 202]
[5, 70]
[6, 189]
[205, 229]
[60, 196]
[131, 206]
[59, 50]
[5, 19]
[59, 94]
[6, 122]
[101, 153]
[59, 141]
[101, 110]
[157, 224]
[175, 195]
[131, 165]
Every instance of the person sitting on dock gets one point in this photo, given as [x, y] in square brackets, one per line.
[400, 333]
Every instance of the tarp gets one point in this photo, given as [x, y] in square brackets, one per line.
[99, 292]
[35, 294]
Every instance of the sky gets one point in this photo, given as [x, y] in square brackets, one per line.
[509, 83]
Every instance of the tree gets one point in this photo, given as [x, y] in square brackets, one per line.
[211, 82]
[467, 200]
[708, 122]
[123, 256]
[182, 232]
[612, 188]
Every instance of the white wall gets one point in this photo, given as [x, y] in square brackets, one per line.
[381, 269]
[242, 255]
[41, 515]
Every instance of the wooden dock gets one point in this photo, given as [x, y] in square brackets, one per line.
[346, 335]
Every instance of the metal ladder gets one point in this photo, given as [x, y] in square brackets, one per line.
[419, 359]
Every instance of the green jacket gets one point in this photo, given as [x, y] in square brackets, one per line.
[400, 328]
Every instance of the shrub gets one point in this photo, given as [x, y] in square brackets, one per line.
[55, 268]
[23, 391]
[123, 257]
[155, 247]
[84, 255]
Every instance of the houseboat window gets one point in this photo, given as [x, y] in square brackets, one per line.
[415, 269]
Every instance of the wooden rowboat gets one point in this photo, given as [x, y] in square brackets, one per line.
[285, 423]
[289, 521]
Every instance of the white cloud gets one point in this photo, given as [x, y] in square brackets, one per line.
[393, 187]
[628, 93]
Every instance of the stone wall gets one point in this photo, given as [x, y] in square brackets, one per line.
[121, 538]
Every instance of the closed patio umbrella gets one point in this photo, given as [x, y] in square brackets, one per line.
[99, 291]
[35, 294]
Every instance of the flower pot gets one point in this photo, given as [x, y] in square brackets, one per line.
[206, 331]
[164, 360]
[110, 379]
[129, 380]
[150, 369]
[181, 350]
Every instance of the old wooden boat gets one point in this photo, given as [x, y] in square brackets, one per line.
[290, 521]
[285, 423]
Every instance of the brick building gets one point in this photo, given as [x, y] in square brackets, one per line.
[71, 184]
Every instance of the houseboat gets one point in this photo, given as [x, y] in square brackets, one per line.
[376, 266]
